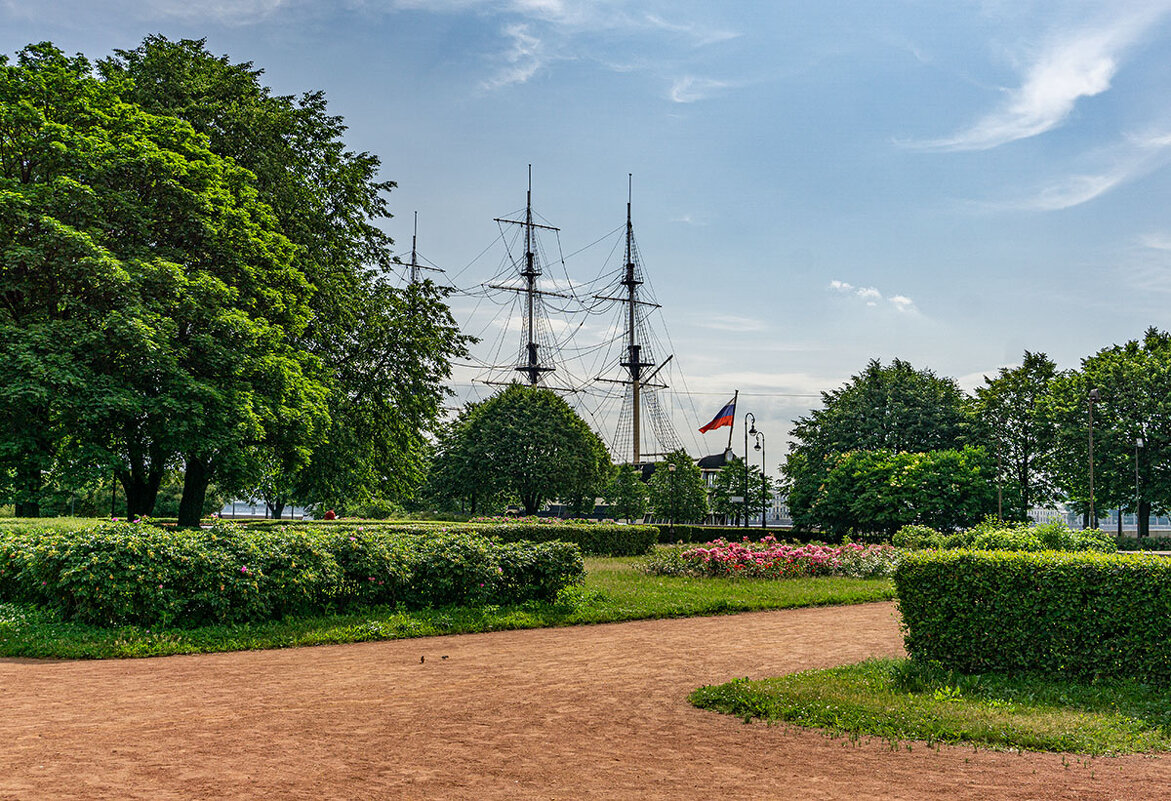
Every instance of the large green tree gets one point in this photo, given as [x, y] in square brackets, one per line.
[893, 408]
[181, 335]
[677, 490]
[524, 443]
[1014, 428]
[385, 352]
[1133, 384]
[878, 492]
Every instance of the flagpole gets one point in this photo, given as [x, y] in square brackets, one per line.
[733, 426]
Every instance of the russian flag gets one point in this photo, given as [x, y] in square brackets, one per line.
[725, 417]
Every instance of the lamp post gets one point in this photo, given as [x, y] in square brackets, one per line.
[671, 477]
[1094, 396]
[763, 481]
[747, 431]
[1138, 529]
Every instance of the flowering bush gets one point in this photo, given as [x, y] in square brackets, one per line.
[775, 560]
[117, 573]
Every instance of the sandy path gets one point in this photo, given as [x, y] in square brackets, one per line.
[588, 712]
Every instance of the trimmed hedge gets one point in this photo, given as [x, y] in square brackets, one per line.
[133, 573]
[1080, 615]
[594, 539]
[1145, 544]
[703, 534]
[994, 535]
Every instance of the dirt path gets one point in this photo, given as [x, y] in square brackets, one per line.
[589, 712]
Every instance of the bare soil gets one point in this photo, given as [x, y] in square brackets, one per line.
[596, 712]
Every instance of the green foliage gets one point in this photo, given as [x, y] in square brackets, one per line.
[1134, 385]
[594, 539]
[524, 442]
[626, 494]
[992, 534]
[894, 409]
[878, 492]
[133, 573]
[729, 484]
[900, 700]
[678, 495]
[1074, 615]
[1020, 436]
[669, 535]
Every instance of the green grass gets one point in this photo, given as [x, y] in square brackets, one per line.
[613, 591]
[900, 701]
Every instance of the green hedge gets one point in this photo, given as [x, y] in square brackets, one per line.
[996, 535]
[128, 573]
[669, 535]
[1145, 544]
[1080, 615]
[594, 539]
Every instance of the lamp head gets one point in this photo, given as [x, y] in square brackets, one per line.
[1095, 395]
[757, 446]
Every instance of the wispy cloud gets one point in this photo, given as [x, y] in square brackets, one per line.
[1074, 63]
[873, 298]
[522, 60]
[690, 89]
[1130, 159]
[731, 322]
[227, 12]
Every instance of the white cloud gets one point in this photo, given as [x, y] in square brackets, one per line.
[874, 298]
[1132, 158]
[902, 303]
[731, 322]
[690, 89]
[523, 58]
[1156, 241]
[1073, 64]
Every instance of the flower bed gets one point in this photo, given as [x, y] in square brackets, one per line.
[771, 559]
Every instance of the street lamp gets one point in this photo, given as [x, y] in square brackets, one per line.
[1138, 529]
[747, 431]
[1094, 396]
[763, 481]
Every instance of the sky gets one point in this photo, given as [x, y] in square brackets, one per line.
[815, 185]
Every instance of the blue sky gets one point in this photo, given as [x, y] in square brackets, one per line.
[815, 184]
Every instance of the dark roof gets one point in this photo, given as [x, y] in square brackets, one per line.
[717, 460]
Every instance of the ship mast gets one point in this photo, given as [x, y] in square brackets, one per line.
[531, 363]
[414, 265]
[634, 364]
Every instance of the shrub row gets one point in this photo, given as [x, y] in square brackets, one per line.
[1079, 615]
[994, 535]
[669, 535]
[132, 573]
[1145, 544]
[594, 539]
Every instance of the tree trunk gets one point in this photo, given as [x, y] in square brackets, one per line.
[28, 485]
[195, 480]
[1144, 519]
[277, 507]
[142, 490]
[531, 502]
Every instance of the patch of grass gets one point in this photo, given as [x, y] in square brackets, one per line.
[900, 700]
[613, 591]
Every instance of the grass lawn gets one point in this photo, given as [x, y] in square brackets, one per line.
[613, 591]
[898, 701]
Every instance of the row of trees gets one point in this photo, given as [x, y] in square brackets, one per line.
[896, 445]
[192, 279]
